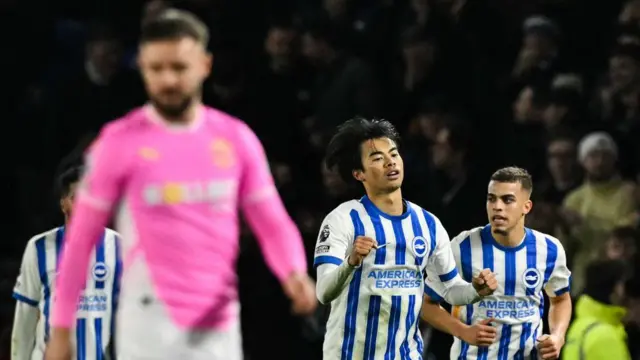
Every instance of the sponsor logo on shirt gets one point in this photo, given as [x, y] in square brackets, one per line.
[175, 193]
[324, 233]
[322, 249]
[505, 309]
[93, 302]
[393, 279]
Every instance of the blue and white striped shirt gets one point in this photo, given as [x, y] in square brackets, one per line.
[376, 315]
[538, 263]
[97, 303]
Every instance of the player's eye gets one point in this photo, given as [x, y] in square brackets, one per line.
[377, 158]
[394, 155]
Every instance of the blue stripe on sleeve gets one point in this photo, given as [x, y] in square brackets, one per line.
[25, 299]
[448, 276]
[467, 274]
[44, 278]
[431, 224]
[326, 259]
[432, 294]
[352, 298]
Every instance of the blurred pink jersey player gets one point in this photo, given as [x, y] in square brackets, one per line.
[175, 174]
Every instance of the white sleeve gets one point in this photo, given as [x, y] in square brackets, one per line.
[443, 280]
[335, 237]
[28, 286]
[333, 272]
[559, 278]
[23, 336]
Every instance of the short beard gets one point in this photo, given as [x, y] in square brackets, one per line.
[172, 112]
[501, 232]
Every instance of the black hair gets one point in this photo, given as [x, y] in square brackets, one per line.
[602, 277]
[513, 174]
[344, 151]
[174, 24]
[68, 178]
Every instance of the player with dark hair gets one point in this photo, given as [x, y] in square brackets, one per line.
[175, 173]
[525, 261]
[372, 253]
[35, 285]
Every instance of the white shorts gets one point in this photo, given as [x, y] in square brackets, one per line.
[146, 332]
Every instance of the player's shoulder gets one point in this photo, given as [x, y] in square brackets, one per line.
[112, 234]
[131, 121]
[344, 210]
[428, 216]
[46, 236]
[544, 238]
[472, 234]
[219, 120]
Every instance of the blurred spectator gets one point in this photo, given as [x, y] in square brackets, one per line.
[539, 54]
[603, 202]
[598, 332]
[623, 244]
[564, 172]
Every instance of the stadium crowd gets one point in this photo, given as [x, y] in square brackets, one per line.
[549, 85]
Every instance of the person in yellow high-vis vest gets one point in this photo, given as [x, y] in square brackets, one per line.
[598, 332]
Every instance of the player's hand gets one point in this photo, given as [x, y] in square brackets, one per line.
[361, 248]
[485, 283]
[549, 346]
[301, 290]
[480, 334]
[59, 346]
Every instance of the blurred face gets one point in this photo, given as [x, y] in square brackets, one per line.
[105, 55]
[332, 182]
[279, 43]
[441, 153]
[561, 159]
[623, 71]
[312, 49]
[382, 166]
[599, 165]
[616, 249]
[173, 72]
[507, 203]
[429, 125]
[553, 114]
[539, 47]
[543, 218]
[522, 107]
[66, 203]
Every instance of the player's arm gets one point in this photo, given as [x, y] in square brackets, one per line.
[27, 293]
[443, 280]
[481, 334]
[558, 288]
[279, 238]
[330, 260]
[98, 192]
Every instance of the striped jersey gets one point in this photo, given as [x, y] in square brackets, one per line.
[377, 314]
[96, 304]
[538, 263]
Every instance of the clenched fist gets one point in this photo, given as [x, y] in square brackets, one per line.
[485, 283]
[361, 248]
[480, 334]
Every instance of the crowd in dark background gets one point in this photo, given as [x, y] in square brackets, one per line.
[471, 84]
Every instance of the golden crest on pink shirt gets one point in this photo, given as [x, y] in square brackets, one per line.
[222, 153]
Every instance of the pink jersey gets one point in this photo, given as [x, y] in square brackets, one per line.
[175, 193]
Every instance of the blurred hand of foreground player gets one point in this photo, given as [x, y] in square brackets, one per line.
[59, 346]
[485, 283]
[361, 248]
[480, 334]
[301, 290]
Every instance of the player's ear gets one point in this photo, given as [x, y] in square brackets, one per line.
[358, 175]
[528, 205]
[208, 63]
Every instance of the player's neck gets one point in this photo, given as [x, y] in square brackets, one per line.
[188, 118]
[390, 203]
[511, 239]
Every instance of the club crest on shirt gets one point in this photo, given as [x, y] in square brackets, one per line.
[324, 234]
[419, 246]
[531, 278]
[222, 153]
[100, 271]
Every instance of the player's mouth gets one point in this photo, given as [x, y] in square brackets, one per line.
[393, 174]
[499, 220]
